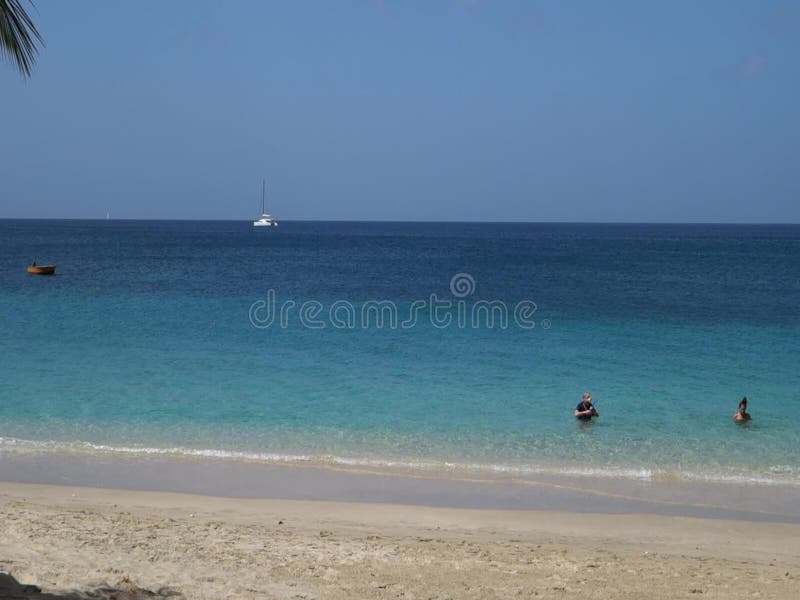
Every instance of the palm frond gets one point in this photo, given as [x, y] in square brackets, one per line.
[18, 36]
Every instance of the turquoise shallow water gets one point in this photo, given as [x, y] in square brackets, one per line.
[148, 341]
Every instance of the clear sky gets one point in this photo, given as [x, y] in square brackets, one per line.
[432, 110]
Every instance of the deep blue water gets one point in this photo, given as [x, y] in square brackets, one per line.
[144, 341]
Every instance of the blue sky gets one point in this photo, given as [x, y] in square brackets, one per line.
[432, 110]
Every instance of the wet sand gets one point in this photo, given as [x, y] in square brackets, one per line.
[451, 489]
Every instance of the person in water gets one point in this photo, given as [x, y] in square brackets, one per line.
[585, 410]
[742, 414]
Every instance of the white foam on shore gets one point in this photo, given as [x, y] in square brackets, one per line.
[774, 475]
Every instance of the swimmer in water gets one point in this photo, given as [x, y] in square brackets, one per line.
[585, 410]
[742, 414]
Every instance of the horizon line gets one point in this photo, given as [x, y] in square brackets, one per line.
[470, 222]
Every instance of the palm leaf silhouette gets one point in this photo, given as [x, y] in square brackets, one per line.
[18, 36]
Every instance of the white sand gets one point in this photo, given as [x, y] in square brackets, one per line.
[79, 540]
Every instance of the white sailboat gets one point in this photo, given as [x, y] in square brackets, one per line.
[266, 219]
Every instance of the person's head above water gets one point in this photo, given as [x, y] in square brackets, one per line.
[742, 414]
[587, 397]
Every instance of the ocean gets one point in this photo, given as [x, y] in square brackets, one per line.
[457, 347]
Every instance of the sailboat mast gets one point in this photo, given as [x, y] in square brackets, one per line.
[263, 194]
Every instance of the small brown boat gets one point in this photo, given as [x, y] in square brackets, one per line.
[35, 269]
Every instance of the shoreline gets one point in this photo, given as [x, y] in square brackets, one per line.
[340, 483]
[782, 477]
[67, 539]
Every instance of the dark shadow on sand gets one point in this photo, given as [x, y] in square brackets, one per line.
[11, 589]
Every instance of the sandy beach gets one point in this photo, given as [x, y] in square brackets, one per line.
[79, 542]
